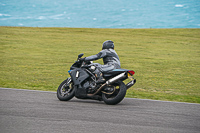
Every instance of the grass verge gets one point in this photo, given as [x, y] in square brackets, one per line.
[166, 61]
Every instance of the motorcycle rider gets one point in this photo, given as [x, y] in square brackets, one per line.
[110, 59]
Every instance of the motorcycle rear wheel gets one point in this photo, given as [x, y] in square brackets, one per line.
[117, 96]
[66, 91]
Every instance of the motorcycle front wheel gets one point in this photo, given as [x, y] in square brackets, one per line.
[66, 91]
[117, 96]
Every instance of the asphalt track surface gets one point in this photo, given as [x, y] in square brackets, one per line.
[23, 111]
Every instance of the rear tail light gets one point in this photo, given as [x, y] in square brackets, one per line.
[131, 72]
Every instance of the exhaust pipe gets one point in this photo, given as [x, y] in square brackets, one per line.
[120, 76]
[110, 81]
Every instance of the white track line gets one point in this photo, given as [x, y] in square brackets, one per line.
[162, 101]
[125, 98]
[26, 90]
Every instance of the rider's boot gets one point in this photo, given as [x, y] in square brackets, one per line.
[100, 78]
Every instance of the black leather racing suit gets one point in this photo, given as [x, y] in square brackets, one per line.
[110, 59]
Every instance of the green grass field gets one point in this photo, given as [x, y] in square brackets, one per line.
[166, 61]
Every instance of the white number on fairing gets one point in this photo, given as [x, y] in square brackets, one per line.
[77, 74]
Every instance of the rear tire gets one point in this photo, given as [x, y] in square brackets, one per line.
[66, 91]
[117, 96]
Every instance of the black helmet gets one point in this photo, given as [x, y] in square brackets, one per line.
[108, 44]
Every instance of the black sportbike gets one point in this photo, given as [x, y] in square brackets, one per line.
[83, 84]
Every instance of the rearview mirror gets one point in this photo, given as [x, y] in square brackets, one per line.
[80, 55]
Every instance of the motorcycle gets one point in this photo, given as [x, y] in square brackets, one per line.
[83, 84]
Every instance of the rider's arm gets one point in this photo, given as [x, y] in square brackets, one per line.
[101, 54]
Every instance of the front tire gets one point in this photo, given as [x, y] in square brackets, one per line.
[66, 91]
[117, 96]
